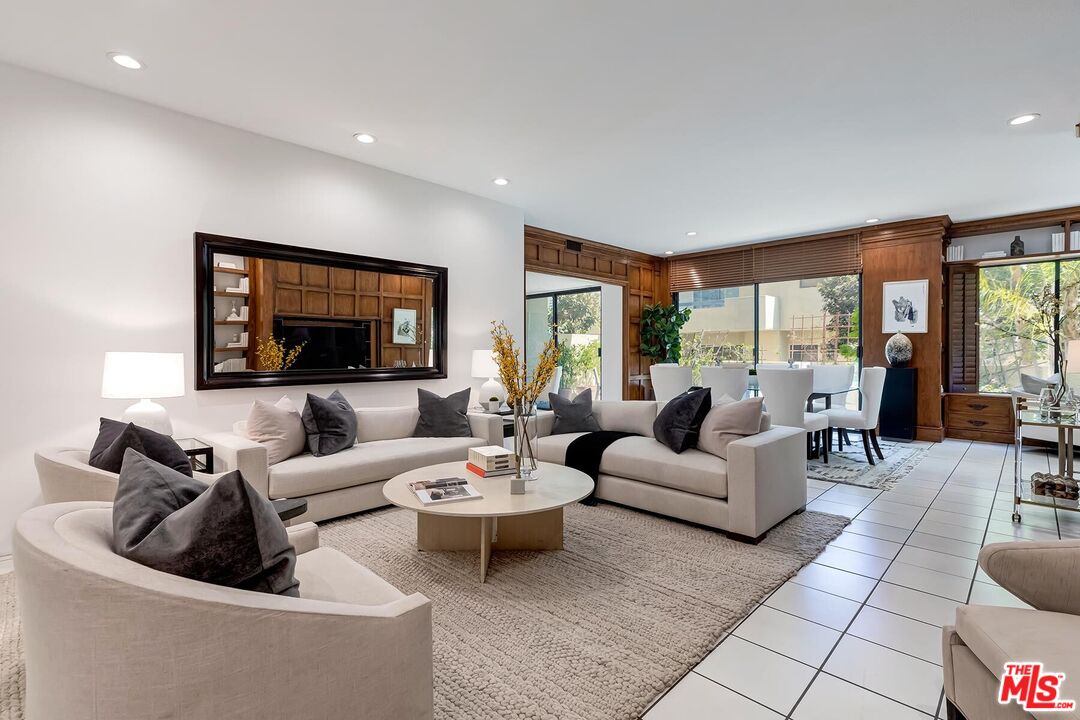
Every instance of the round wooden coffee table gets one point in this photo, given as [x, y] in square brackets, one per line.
[497, 521]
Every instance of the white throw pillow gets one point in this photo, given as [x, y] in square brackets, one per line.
[277, 426]
[727, 422]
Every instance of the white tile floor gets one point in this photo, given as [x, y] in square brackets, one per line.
[857, 633]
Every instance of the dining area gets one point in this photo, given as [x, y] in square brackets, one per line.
[822, 399]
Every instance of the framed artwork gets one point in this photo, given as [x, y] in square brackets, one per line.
[405, 326]
[903, 306]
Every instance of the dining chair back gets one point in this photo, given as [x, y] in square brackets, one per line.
[730, 381]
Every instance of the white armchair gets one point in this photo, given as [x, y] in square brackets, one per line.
[105, 637]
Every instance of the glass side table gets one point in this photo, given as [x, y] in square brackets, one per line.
[201, 454]
[1029, 413]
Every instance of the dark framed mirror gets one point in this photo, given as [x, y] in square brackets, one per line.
[269, 314]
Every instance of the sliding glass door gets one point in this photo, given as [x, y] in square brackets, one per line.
[572, 319]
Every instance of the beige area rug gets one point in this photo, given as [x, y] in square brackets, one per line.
[596, 630]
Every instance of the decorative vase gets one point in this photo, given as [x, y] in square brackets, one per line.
[524, 450]
[898, 350]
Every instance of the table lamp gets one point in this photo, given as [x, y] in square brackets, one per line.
[144, 376]
[484, 366]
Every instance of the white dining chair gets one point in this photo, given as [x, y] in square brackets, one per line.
[669, 380]
[730, 381]
[786, 391]
[871, 387]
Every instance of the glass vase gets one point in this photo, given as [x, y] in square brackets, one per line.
[525, 438]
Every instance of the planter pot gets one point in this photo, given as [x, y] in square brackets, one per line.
[669, 380]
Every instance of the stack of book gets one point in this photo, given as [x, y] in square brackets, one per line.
[491, 461]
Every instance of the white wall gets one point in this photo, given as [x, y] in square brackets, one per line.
[611, 323]
[99, 197]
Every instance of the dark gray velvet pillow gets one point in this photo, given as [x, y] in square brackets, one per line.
[679, 422]
[443, 416]
[225, 533]
[330, 424]
[114, 437]
[573, 416]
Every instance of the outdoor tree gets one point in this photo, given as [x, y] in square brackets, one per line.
[579, 314]
[839, 294]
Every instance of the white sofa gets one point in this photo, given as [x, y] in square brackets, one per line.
[351, 480]
[105, 637]
[762, 482]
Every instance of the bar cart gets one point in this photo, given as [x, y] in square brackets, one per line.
[1031, 414]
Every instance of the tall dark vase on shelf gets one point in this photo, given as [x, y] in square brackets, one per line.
[1016, 249]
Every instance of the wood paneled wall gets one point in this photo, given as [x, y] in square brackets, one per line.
[643, 277]
[908, 251]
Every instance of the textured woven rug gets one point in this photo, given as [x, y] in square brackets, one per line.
[850, 467]
[596, 630]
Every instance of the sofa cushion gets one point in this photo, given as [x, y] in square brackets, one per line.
[225, 533]
[647, 460]
[573, 416]
[443, 417]
[387, 423]
[155, 446]
[328, 574]
[364, 463]
[552, 448]
[727, 422]
[633, 416]
[330, 424]
[277, 426]
[1004, 634]
[679, 422]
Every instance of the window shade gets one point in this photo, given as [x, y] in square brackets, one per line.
[768, 263]
[963, 342]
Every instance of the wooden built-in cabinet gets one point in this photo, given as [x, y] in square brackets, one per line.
[979, 416]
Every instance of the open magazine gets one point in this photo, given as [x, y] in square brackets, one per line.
[444, 490]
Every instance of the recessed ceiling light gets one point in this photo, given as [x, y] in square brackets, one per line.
[501, 181]
[692, 233]
[364, 138]
[870, 221]
[1023, 119]
[125, 61]
[669, 252]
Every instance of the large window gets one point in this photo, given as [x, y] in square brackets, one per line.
[803, 322]
[573, 319]
[1009, 345]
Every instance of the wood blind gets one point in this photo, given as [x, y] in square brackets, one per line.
[963, 341]
[771, 262]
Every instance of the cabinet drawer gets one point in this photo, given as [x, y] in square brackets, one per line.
[979, 405]
[985, 421]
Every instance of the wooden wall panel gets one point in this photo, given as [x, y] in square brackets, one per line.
[642, 277]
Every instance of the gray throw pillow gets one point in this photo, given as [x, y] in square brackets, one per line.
[330, 424]
[443, 416]
[114, 437]
[679, 423]
[573, 416]
[225, 533]
[729, 421]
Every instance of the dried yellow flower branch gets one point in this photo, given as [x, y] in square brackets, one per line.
[513, 371]
[273, 355]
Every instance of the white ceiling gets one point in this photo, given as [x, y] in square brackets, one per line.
[627, 122]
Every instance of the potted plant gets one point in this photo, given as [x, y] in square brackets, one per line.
[493, 404]
[661, 340]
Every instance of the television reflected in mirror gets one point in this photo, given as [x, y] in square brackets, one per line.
[271, 314]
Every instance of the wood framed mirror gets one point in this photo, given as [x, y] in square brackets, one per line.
[268, 314]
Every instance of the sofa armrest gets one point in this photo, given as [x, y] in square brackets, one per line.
[541, 424]
[1045, 575]
[487, 426]
[303, 537]
[766, 479]
[239, 453]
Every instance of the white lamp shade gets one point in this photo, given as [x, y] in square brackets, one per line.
[483, 364]
[139, 375]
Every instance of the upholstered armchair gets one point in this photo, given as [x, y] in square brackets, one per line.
[1045, 575]
[105, 637]
[65, 475]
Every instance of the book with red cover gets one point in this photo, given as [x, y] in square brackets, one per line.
[488, 473]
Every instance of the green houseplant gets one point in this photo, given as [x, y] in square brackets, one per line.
[661, 326]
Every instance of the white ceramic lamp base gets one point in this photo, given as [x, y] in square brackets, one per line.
[492, 388]
[150, 415]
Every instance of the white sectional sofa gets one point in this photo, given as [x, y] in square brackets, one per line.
[762, 482]
[351, 480]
